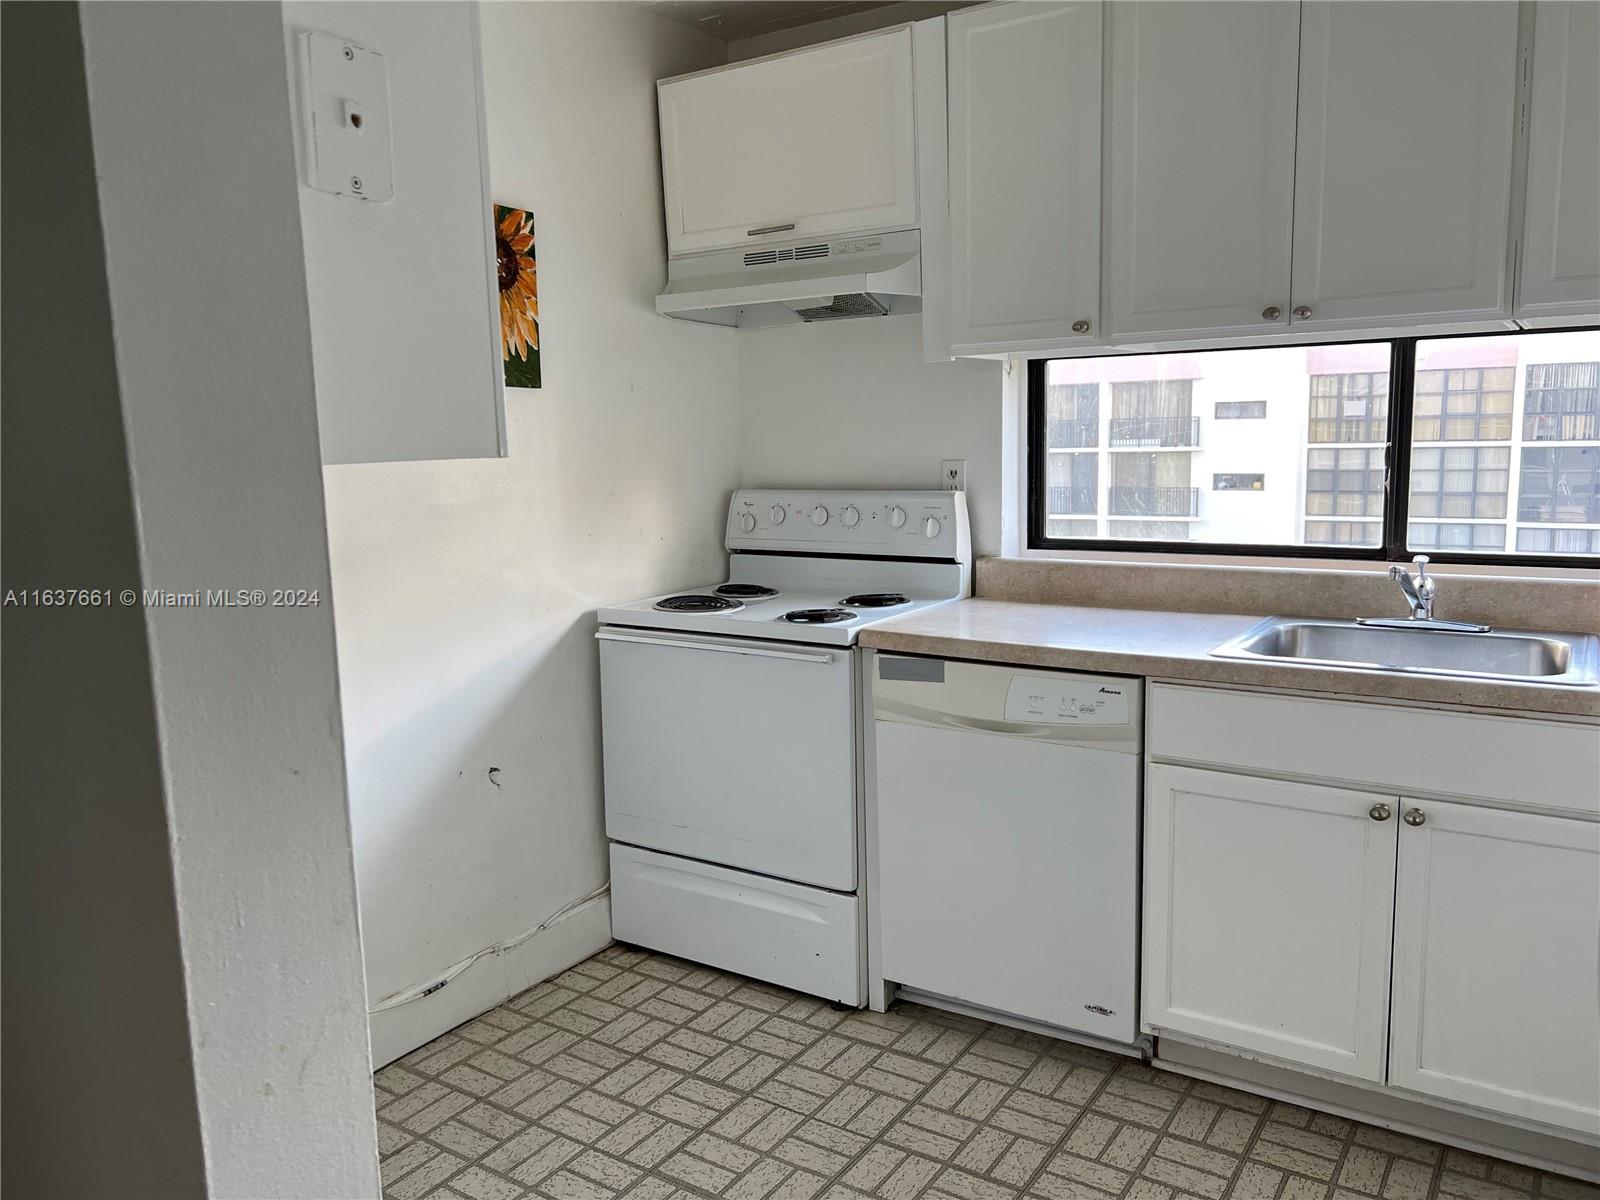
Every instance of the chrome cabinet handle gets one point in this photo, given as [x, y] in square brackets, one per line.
[1415, 817]
[761, 229]
[1080, 327]
[1271, 312]
[1301, 312]
[1380, 812]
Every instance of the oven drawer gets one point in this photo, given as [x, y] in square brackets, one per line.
[731, 751]
[799, 937]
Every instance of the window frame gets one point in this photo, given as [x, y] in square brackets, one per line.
[1397, 472]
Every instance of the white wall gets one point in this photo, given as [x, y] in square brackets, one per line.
[466, 590]
[186, 790]
[852, 404]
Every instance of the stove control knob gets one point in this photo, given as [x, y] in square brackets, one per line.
[747, 522]
[850, 515]
[778, 514]
[819, 515]
[931, 529]
[897, 516]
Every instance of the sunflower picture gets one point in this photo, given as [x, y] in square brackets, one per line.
[519, 295]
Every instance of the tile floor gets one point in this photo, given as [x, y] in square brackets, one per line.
[639, 1077]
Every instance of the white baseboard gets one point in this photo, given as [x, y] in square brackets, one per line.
[490, 980]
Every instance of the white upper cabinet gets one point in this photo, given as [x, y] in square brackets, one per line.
[1024, 120]
[807, 144]
[1403, 162]
[1200, 166]
[1496, 1000]
[405, 307]
[1267, 916]
[1561, 241]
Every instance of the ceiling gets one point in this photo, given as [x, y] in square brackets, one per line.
[733, 20]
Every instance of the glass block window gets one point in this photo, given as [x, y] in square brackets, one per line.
[1344, 483]
[1460, 481]
[1350, 408]
[1440, 535]
[1558, 541]
[1464, 405]
[1344, 533]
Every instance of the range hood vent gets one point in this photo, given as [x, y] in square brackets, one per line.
[865, 276]
[762, 258]
[857, 304]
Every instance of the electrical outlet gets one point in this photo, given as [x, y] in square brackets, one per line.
[953, 474]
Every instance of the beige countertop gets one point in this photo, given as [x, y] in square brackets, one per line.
[1177, 646]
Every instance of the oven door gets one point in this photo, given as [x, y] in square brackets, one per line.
[730, 751]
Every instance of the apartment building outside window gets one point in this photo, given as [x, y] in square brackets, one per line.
[1497, 438]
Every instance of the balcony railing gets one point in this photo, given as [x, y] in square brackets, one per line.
[1154, 431]
[1576, 510]
[1070, 435]
[1070, 501]
[1155, 502]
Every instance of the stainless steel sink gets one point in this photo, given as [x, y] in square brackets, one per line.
[1567, 660]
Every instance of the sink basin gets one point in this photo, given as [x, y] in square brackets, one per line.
[1563, 659]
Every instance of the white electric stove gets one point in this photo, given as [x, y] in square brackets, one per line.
[732, 717]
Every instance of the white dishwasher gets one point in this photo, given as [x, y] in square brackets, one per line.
[1006, 823]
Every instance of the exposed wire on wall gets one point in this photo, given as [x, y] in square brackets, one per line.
[396, 999]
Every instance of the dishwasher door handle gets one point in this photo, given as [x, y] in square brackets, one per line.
[1116, 738]
[732, 648]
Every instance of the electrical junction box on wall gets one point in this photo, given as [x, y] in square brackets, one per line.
[344, 116]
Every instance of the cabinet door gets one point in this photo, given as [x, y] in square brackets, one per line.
[404, 296]
[1497, 935]
[1403, 161]
[1561, 246]
[1024, 175]
[1267, 916]
[1200, 162]
[807, 144]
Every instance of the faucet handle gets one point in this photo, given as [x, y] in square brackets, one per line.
[1425, 585]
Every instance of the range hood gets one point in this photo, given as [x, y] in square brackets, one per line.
[869, 275]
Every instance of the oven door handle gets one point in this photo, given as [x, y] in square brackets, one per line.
[758, 651]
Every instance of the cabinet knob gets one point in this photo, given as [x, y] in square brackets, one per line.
[1415, 816]
[1301, 312]
[1271, 312]
[1380, 812]
[1080, 327]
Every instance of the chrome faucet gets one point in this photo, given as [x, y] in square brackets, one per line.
[1419, 591]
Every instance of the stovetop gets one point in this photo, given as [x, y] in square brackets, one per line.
[874, 556]
[830, 582]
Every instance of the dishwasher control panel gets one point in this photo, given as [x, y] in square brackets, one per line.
[1066, 700]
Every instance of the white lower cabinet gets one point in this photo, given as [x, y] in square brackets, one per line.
[1488, 1010]
[1267, 916]
[1272, 907]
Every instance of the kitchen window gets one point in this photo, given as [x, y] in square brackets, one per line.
[1471, 448]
